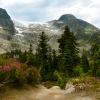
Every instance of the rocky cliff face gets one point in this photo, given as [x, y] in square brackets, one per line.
[6, 24]
[7, 30]
[82, 29]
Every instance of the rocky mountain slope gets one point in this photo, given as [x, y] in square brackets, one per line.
[7, 30]
[82, 29]
[6, 23]
[24, 35]
[85, 32]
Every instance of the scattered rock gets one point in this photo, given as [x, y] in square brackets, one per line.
[69, 88]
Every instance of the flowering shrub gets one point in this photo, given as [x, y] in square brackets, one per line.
[32, 75]
[5, 68]
[17, 78]
[4, 73]
[18, 74]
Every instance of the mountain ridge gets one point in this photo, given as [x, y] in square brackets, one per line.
[6, 21]
[23, 36]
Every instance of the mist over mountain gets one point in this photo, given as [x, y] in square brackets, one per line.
[22, 36]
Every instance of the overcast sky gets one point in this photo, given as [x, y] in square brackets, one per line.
[45, 10]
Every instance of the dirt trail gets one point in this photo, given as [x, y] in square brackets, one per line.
[42, 93]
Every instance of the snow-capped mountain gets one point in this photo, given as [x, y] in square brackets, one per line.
[83, 31]
[30, 34]
[23, 35]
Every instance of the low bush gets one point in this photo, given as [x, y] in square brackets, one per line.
[17, 78]
[32, 75]
[4, 73]
[98, 72]
[3, 61]
[78, 71]
[61, 79]
[17, 74]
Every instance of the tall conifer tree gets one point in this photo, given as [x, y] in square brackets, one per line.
[95, 59]
[43, 55]
[85, 62]
[68, 52]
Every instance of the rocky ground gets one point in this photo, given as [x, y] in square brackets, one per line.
[54, 93]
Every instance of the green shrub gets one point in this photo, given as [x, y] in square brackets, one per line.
[17, 78]
[61, 79]
[32, 75]
[78, 71]
[98, 72]
[3, 61]
[2, 76]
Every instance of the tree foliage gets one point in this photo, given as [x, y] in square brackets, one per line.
[68, 51]
[95, 59]
[85, 62]
[43, 55]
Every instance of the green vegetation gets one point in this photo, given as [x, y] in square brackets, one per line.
[61, 79]
[95, 59]
[68, 58]
[17, 74]
[19, 68]
[85, 62]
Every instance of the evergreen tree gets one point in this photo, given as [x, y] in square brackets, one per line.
[50, 58]
[54, 61]
[37, 56]
[30, 56]
[15, 53]
[85, 62]
[43, 56]
[94, 48]
[30, 49]
[95, 59]
[68, 52]
[23, 57]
